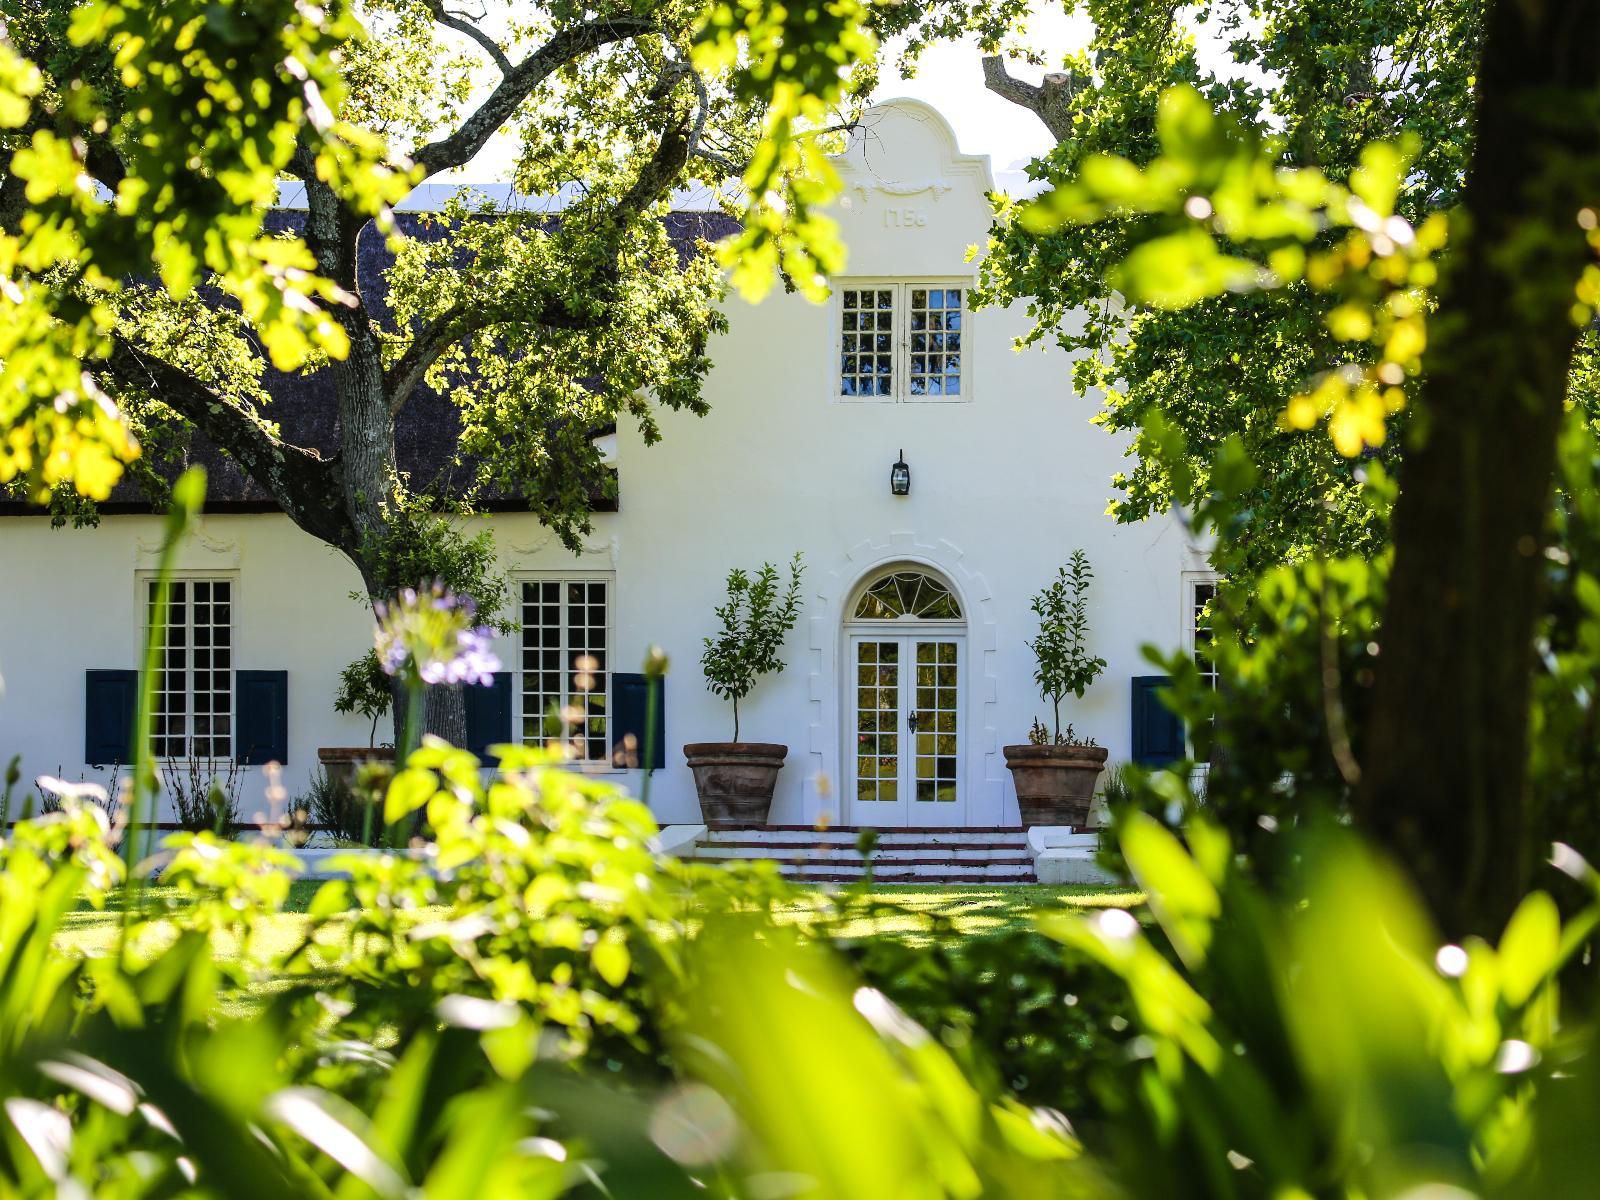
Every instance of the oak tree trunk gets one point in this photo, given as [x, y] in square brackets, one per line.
[1444, 782]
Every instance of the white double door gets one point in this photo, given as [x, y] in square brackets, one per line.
[904, 711]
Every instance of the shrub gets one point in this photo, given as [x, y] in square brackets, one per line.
[341, 809]
[1021, 1016]
[547, 1005]
[201, 798]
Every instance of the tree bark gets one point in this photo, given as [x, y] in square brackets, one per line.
[1444, 782]
[446, 714]
[1050, 102]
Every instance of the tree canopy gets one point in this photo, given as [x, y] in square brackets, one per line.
[1273, 306]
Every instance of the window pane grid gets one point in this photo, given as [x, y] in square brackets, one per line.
[566, 666]
[193, 711]
[935, 342]
[877, 721]
[1204, 594]
[937, 762]
[866, 345]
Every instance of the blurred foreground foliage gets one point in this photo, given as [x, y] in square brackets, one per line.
[207, 102]
[541, 1004]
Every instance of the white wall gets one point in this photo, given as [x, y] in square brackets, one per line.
[1005, 484]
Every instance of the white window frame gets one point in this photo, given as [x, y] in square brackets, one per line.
[562, 578]
[902, 286]
[1191, 581]
[142, 583]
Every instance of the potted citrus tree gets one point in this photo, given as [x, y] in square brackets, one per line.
[735, 780]
[364, 689]
[1055, 772]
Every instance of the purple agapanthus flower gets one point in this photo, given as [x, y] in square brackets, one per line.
[432, 637]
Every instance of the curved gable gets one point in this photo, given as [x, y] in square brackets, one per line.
[912, 202]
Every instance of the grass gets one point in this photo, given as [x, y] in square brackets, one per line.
[973, 910]
[907, 911]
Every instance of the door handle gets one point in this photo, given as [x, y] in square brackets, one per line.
[911, 721]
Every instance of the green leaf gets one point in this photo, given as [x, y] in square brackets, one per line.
[331, 900]
[189, 492]
[340, 1131]
[1529, 947]
[1188, 128]
[611, 958]
[1183, 899]
[409, 791]
[1180, 269]
[1377, 180]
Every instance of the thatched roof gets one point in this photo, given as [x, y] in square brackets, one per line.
[304, 407]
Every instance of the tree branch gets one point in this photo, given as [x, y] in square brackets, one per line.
[697, 148]
[658, 174]
[400, 380]
[1050, 103]
[654, 181]
[460, 320]
[458, 148]
[461, 25]
[303, 484]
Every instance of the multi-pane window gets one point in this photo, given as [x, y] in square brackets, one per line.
[1202, 596]
[566, 678]
[193, 714]
[935, 318]
[901, 341]
[866, 363]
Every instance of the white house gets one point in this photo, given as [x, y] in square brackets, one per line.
[810, 407]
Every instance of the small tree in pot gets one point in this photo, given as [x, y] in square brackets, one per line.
[736, 779]
[1055, 772]
[364, 689]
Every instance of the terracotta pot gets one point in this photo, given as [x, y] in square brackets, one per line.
[1055, 784]
[735, 779]
[342, 762]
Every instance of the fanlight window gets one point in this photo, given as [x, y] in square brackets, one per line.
[908, 594]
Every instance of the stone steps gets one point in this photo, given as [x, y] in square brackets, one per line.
[928, 856]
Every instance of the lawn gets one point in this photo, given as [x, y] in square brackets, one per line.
[972, 910]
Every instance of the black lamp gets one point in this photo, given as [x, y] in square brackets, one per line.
[900, 477]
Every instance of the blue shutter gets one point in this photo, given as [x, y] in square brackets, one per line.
[630, 710]
[1157, 732]
[261, 723]
[109, 699]
[488, 714]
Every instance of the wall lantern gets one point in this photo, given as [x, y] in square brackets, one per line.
[900, 477]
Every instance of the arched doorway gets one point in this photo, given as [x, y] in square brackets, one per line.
[904, 700]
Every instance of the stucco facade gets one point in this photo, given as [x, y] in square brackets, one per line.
[1007, 478]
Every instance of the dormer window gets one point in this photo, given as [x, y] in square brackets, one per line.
[901, 341]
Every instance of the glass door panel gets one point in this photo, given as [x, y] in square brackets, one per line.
[934, 722]
[878, 785]
[905, 716]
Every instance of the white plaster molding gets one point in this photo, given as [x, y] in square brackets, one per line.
[1069, 866]
[874, 183]
[679, 840]
[874, 137]
[199, 551]
[984, 769]
[593, 553]
[1062, 854]
[1059, 837]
